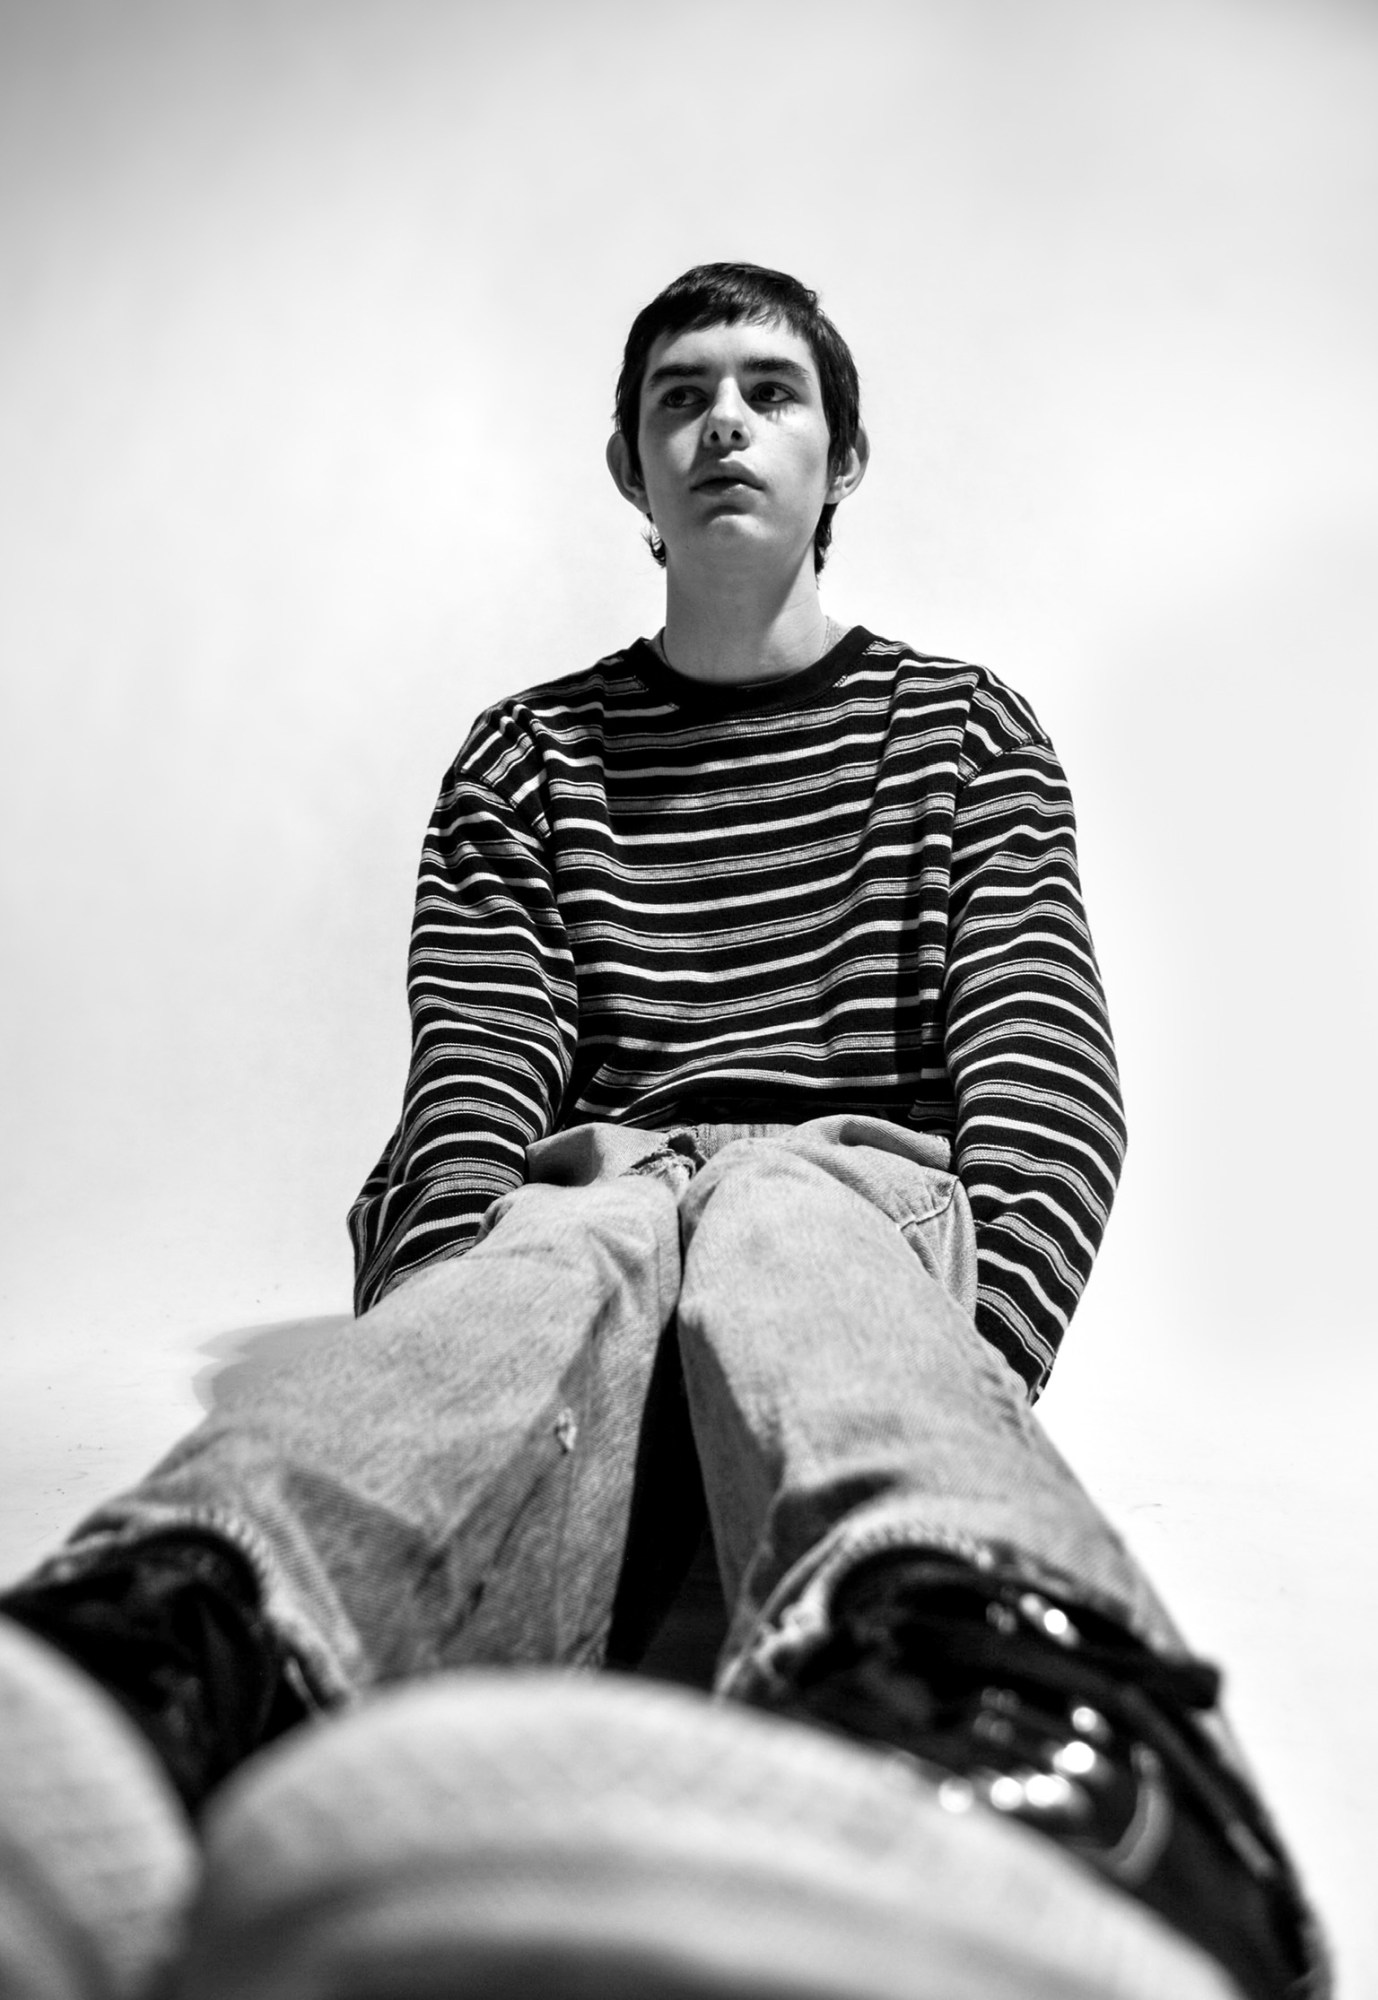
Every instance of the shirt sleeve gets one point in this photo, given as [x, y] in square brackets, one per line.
[494, 1022]
[1040, 1125]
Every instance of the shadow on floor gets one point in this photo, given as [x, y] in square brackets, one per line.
[245, 1348]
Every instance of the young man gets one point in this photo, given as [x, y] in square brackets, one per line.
[758, 868]
[756, 1023]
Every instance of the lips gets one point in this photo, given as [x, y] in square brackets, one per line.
[724, 480]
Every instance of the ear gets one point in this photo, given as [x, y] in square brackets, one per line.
[623, 478]
[854, 471]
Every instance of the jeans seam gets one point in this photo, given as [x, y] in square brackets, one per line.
[911, 1218]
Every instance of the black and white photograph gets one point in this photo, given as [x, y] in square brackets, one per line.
[690, 962]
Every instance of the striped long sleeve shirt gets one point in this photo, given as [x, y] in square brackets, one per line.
[851, 889]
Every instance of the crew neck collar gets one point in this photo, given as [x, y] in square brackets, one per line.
[749, 697]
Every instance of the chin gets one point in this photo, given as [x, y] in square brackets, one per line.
[729, 532]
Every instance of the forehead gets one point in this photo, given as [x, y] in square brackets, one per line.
[746, 347]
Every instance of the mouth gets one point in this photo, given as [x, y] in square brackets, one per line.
[726, 482]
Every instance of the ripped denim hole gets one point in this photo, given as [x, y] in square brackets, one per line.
[675, 1162]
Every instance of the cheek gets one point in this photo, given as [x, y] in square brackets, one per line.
[810, 461]
[664, 459]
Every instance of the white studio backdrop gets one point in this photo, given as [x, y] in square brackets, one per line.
[309, 320]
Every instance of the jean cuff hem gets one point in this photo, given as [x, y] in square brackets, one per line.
[797, 1616]
[322, 1678]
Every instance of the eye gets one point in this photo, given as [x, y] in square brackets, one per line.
[773, 392]
[678, 397]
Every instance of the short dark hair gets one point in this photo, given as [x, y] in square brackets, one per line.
[721, 295]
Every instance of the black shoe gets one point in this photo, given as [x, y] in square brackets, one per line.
[1058, 1717]
[171, 1627]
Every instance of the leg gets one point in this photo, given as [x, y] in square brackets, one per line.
[843, 1401]
[446, 1479]
[914, 1562]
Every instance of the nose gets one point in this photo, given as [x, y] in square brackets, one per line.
[728, 418]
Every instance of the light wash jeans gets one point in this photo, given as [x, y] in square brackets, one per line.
[447, 1480]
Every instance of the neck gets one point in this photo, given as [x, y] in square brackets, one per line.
[743, 629]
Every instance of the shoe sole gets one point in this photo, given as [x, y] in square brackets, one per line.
[97, 1861]
[544, 1834]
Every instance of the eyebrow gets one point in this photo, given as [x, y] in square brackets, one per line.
[755, 364]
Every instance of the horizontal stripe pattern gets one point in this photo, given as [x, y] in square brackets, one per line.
[853, 890]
